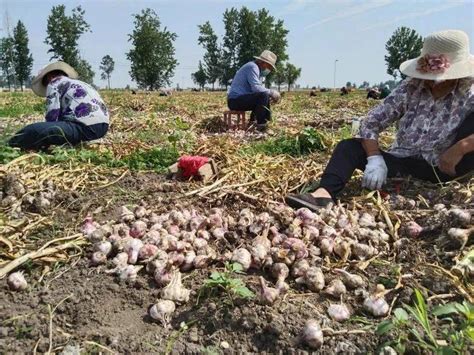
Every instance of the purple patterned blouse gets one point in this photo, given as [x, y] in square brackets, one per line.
[426, 127]
[74, 100]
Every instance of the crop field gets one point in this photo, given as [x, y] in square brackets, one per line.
[120, 258]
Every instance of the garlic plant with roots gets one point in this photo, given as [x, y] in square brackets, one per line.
[162, 311]
[175, 291]
[16, 281]
[312, 334]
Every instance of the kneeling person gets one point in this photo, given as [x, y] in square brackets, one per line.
[75, 112]
[247, 92]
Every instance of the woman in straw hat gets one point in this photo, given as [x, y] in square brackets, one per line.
[247, 92]
[434, 109]
[74, 111]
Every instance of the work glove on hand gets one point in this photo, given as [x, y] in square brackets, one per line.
[275, 96]
[375, 173]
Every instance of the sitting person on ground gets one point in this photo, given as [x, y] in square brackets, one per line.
[247, 92]
[344, 91]
[373, 93]
[434, 109]
[75, 112]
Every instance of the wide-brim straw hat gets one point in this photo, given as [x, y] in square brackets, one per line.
[445, 56]
[37, 84]
[268, 57]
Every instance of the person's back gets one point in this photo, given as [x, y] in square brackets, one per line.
[241, 85]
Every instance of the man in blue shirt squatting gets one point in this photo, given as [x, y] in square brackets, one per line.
[247, 92]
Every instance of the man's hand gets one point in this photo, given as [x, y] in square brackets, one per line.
[375, 173]
[449, 159]
[275, 96]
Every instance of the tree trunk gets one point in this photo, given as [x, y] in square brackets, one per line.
[279, 87]
[213, 85]
[289, 86]
[108, 79]
[21, 85]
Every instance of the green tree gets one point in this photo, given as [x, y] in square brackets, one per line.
[212, 57]
[7, 60]
[200, 77]
[63, 33]
[230, 46]
[280, 75]
[152, 55]
[364, 85]
[23, 58]
[404, 44]
[107, 66]
[292, 73]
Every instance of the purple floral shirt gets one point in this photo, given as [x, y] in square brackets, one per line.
[74, 100]
[426, 127]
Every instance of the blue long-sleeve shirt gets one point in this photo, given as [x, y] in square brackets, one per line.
[246, 81]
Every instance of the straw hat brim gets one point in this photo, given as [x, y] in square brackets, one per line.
[37, 83]
[266, 61]
[458, 70]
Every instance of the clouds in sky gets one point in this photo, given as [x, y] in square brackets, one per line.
[358, 8]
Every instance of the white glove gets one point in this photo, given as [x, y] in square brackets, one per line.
[375, 173]
[275, 96]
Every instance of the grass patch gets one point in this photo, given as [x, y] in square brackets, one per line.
[17, 104]
[307, 141]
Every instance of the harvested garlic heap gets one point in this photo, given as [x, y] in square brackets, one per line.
[15, 196]
[291, 247]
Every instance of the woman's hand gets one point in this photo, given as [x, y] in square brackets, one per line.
[450, 158]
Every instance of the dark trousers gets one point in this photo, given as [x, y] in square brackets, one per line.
[349, 155]
[258, 103]
[41, 135]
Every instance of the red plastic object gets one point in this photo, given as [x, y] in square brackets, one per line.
[189, 165]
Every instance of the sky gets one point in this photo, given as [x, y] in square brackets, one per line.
[353, 32]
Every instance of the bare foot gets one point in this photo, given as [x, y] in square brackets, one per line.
[321, 193]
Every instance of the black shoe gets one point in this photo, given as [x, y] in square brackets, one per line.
[308, 201]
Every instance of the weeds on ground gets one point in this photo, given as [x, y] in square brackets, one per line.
[307, 141]
[454, 338]
[225, 282]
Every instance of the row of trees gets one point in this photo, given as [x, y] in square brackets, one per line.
[16, 60]
[246, 34]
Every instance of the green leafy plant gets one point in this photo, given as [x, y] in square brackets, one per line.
[453, 338]
[224, 281]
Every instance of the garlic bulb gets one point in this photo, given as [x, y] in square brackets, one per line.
[312, 334]
[120, 260]
[299, 268]
[267, 295]
[306, 215]
[147, 251]
[138, 229]
[363, 251]
[125, 215]
[140, 212]
[98, 258]
[162, 276]
[461, 236]
[351, 280]
[461, 216]
[243, 257]
[296, 245]
[175, 291]
[16, 281]
[413, 229]
[129, 273]
[339, 312]
[367, 220]
[313, 279]
[336, 288]
[342, 248]
[375, 303]
[280, 271]
[162, 311]
[88, 226]
[132, 248]
[103, 247]
[201, 261]
[326, 245]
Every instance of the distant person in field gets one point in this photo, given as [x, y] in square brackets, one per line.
[384, 92]
[247, 92]
[75, 112]
[373, 93]
[434, 111]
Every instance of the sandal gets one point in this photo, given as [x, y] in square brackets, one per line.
[308, 201]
